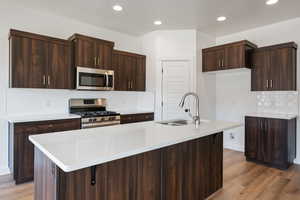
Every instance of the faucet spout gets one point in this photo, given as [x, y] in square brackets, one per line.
[195, 118]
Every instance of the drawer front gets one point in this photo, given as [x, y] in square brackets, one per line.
[132, 118]
[47, 126]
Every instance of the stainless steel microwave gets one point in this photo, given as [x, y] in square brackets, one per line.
[94, 79]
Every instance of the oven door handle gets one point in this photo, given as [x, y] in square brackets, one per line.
[106, 79]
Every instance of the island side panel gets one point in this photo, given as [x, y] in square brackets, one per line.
[45, 173]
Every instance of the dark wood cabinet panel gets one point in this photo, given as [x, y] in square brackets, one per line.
[141, 74]
[38, 61]
[275, 68]
[92, 52]
[260, 71]
[133, 118]
[270, 141]
[228, 56]
[183, 162]
[28, 62]
[130, 71]
[122, 179]
[149, 176]
[189, 170]
[212, 60]
[103, 56]
[23, 155]
[85, 53]
[60, 72]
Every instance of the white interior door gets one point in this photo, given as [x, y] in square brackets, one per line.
[176, 81]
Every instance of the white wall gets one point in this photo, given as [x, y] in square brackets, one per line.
[234, 98]
[30, 101]
[206, 83]
[164, 45]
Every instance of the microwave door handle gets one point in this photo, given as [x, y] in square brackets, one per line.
[106, 79]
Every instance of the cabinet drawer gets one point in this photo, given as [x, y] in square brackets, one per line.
[132, 118]
[47, 126]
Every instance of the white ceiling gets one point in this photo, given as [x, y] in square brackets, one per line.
[138, 15]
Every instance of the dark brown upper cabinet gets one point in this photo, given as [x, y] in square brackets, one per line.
[38, 61]
[275, 68]
[130, 71]
[92, 52]
[228, 56]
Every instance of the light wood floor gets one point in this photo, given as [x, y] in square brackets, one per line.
[242, 181]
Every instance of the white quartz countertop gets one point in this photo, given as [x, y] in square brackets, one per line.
[271, 115]
[44, 117]
[133, 111]
[77, 149]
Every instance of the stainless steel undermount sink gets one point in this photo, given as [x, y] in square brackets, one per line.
[174, 122]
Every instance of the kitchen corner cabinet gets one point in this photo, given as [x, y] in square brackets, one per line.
[228, 56]
[92, 52]
[38, 61]
[270, 141]
[130, 71]
[275, 68]
[21, 150]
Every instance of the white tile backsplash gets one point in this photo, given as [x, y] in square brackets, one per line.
[277, 102]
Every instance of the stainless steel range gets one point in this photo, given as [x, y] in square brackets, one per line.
[93, 112]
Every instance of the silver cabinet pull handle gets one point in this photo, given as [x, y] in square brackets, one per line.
[220, 63]
[44, 80]
[95, 61]
[271, 83]
[267, 83]
[49, 80]
[99, 60]
[131, 84]
[128, 84]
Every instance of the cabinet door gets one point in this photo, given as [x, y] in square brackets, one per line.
[276, 142]
[252, 135]
[60, 73]
[283, 69]
[140, 78]
[85, 53]
[29, 59]
[119, 66]
[234, 56]
[260, 72]
[130, 72]
[212, 60]
[103, 55]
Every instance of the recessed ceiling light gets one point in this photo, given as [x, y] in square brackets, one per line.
[271, 2]
[117, 7]
[221, 19]
[157, 22]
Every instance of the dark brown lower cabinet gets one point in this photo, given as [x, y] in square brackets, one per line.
[133, 118]
[270, 141]
[191, 170]
[21, 150]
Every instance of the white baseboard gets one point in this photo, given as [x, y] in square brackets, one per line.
[234, 147]
[297, 161]
[5, 176]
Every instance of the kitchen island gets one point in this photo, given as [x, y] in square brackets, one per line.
[144, 161]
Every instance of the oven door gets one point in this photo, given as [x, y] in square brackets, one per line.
[94, 79]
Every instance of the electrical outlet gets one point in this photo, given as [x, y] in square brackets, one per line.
[232, 136]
